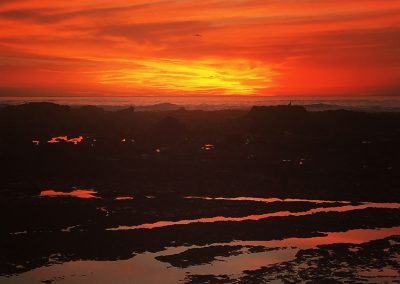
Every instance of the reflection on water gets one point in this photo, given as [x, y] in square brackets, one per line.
[144, 268]
[19, 233]
[59, 139]
[356, 236]
[343, 208]
[386, 272]
[207, 147]
[79, 193]
[68, 229]
[123, 198]
[266, 200]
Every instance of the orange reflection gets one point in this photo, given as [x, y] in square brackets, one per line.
[267, 200]
[356, 236]
[78, 193]
[123, 198]
[344, 208]
[58, 139]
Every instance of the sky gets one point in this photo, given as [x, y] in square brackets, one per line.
[207, 47]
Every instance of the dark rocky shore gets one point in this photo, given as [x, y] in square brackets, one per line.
[143, 166]
[281, 151]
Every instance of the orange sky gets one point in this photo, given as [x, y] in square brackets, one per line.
[207, 47]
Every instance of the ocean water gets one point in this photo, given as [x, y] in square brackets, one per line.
[218, 103]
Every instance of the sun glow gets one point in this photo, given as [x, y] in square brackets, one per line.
[209, 47]
[210, 76]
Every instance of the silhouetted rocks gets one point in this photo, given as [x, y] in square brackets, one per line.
[275, 151]
[207, 255]
[336, 263]
[161, 157]
[285, 112]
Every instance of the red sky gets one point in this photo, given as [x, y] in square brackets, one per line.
[207, 47]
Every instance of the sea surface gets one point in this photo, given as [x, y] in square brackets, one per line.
[149, 103]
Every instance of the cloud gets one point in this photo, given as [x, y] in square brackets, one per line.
[155, 31]
[53, 15]
[319, 43]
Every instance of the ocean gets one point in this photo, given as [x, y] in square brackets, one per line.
[147, 103]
